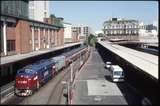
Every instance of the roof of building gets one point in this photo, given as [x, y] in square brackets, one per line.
[34, 22]
[121, 20]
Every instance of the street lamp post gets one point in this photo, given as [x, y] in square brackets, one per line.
[71, 65]
[68, 90]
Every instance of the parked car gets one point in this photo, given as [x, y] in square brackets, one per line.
[108, 64]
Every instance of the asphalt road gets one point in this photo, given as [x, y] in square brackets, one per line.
[93, 85]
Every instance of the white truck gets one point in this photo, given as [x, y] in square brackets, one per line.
[117, 73]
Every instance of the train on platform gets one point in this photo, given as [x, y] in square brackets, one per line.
[31, 77]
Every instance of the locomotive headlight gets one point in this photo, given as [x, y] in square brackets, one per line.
[54, 67]
[24, 82]
[36, 77]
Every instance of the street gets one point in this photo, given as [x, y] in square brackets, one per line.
[93, 85]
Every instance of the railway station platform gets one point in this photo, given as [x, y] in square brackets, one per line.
[144, 61]
[14, 58]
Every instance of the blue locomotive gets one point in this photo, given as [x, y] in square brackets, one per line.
[31, 77]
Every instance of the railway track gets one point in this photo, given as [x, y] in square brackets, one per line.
[55, 94]
[7, 91]
[55, 97]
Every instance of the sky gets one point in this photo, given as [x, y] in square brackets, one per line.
[94, 13]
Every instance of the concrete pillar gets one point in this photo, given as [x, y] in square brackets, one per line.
[56, 37]
[4, 38]
[11, 69]
[39, 40]
[48, 38]
[44, 38]
[33, 47]
[52, 36]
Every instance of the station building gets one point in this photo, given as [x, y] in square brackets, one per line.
[19, 34]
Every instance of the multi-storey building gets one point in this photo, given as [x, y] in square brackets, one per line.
[69, 34]
[121, 28]
[82, 31]
[22, 35]
[148, 33]
[38, 10]
[16, 8]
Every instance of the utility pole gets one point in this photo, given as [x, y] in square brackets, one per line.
[71, 65]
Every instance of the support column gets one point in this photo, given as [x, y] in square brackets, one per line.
[44, 40]
[4, 38]
[48, 38]
[11, 69]
[39, 41]
[56, 37]
[52, 37]
[33, 39]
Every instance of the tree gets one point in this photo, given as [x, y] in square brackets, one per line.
[92, 40]
[52, 16]
[100, 35]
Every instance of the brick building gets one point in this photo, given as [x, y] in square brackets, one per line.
[22, 35]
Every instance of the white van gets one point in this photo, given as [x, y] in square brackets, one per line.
[117, 73]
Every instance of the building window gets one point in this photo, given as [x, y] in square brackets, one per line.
[10, 45]
[126, 31]
[115, 32]
[120, 32]
[111, 32]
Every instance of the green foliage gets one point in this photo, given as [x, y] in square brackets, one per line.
[92, 40]
[100, 35]
[52, 16]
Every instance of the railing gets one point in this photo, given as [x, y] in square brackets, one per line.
[124, 37]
